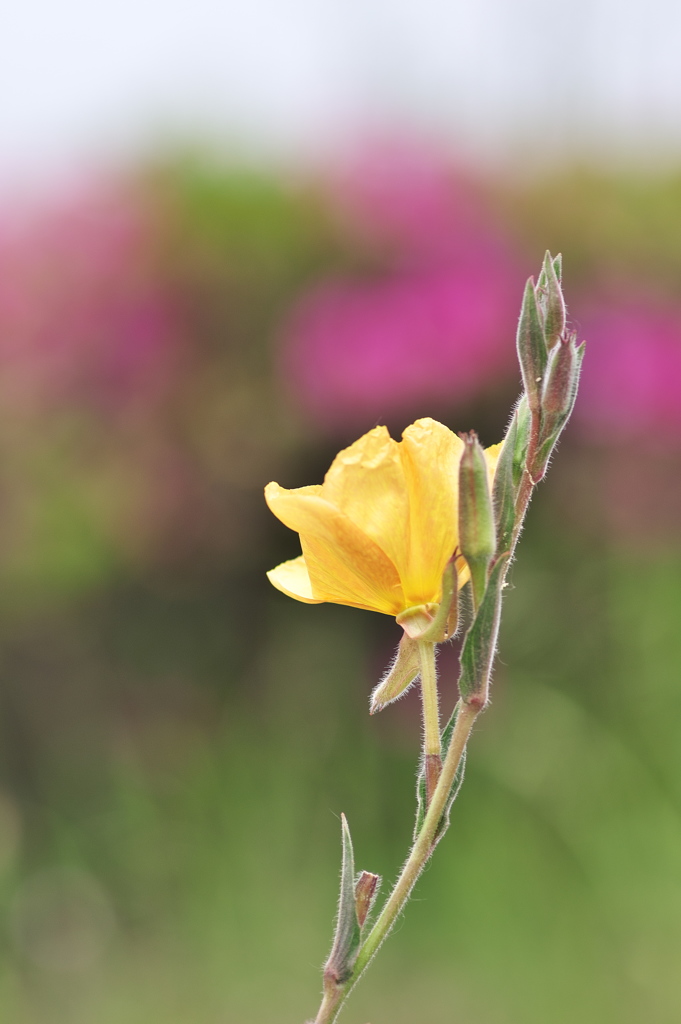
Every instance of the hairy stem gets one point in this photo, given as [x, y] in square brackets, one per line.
[421, 850]
[432, 747]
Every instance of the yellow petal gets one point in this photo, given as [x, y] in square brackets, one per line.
[430, 456]
[344, 564]
[293, 579]
[367, 483]
[492, 457]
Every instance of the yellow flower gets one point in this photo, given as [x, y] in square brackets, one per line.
[380, 530]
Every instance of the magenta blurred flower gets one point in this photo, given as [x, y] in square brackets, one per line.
[367, 350]
[82, 318]
[409, 197]
[632, 372]
[438, 323]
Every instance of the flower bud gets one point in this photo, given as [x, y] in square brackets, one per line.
[560, 387]
[551, 301]
[558, 398]
[476, 515]
[531, 345]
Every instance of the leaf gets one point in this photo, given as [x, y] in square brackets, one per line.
[346, 940]
[504, 490]
[480, 644]
[522, 440]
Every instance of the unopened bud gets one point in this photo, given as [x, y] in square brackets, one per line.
[551, 303]
[366, 890]
[531, 345]
[560, 387]
[477, 538]
[558, 399]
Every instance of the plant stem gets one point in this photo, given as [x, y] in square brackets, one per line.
[432, 747]
[421, 850]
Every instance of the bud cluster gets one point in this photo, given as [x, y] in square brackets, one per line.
[550, 363]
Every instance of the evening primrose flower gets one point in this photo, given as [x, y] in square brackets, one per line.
[381, 529]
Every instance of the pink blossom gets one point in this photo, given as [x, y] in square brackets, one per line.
[436, 324]
[632, 371]
[82, 318]
[412, 198]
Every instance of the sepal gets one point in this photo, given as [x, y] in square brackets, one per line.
[446, 620]
[401, 674]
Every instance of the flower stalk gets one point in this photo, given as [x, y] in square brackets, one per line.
[432, 747]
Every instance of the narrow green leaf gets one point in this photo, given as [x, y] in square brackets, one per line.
[522, 440]
[347, 936]
[480, 644]
[504, 490]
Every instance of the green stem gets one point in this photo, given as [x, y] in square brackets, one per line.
[432, 746]
[421, 850]
[431, 711]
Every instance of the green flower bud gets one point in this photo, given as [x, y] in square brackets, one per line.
[558, 398]
[551, 303]
[531, 345]
[477, 533]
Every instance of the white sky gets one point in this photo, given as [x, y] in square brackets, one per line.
[85, 80]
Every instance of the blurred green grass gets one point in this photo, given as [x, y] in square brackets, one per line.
[211, 825]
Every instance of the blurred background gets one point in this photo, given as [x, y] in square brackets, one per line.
[232, 239]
